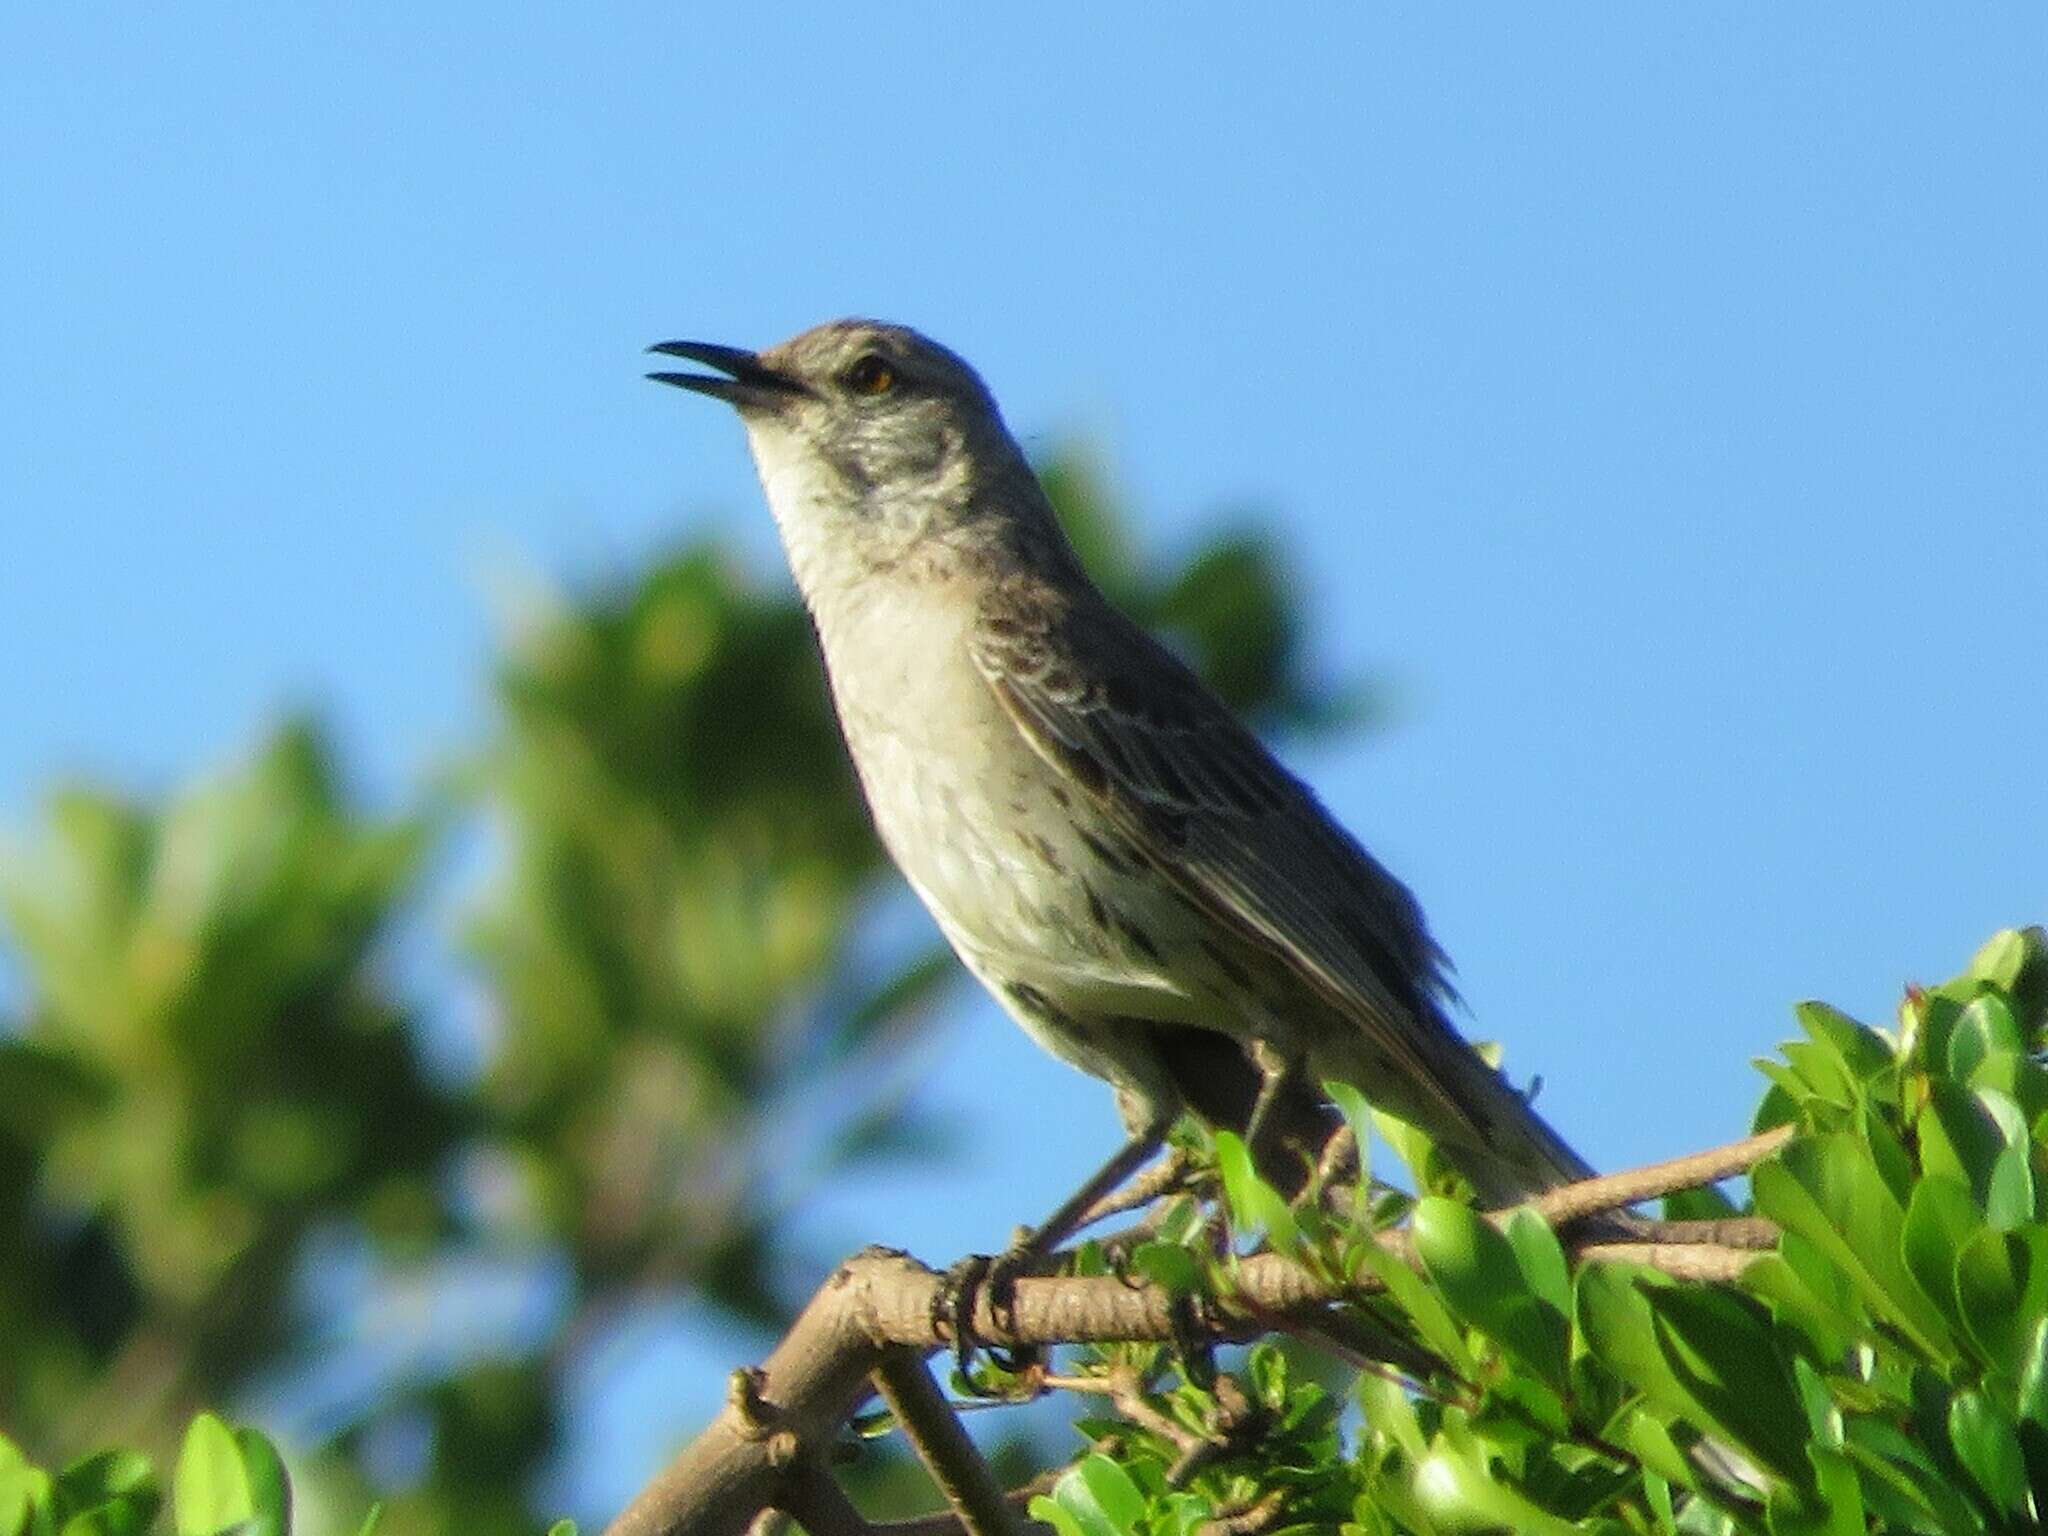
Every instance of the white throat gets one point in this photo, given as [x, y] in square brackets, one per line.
[807, 514]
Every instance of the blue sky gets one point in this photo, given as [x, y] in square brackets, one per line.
[1653, 396]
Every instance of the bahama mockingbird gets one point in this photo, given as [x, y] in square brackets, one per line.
[1111, 853]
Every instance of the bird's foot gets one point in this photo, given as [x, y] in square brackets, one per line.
[957, 1304]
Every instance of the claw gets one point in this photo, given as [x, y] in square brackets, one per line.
[1001, 1280]
[956, 1302]
[1192, 1343]
[953, 1307]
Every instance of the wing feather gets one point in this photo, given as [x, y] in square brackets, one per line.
[1194, 791]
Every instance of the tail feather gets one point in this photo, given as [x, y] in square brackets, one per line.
[1483, 1124]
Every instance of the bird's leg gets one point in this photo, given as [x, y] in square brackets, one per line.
[960, 1291]
[1277, 1073]
[1073, 1211]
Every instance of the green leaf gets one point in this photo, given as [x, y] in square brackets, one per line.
[2009, 1193]
[1044, 1510]
[229, 1479]
[2016, 962]
[2002, 958]
[2001, 1288]
[2020, 1078]
[1777, 1107]
[1985, 1027]
[24, 1493]
[1786, 1083]
[1540, 1259]
[1863, 1052]
[1169, 1266]
[1706, 1203]
[1962, 1135]
[102, 1475]
[1706, 1357]
[562, 1528]
[1658, 1492]
[2031, 1401]
[1614, 1318]
[1812, 1291]
[1100, 1497]
[1888, 1154]
[1255, 1205]
[1075, 486]
[270, 1487]
[1823, 1418]
[1958, 1138]
[1897, 1471]
[1615, 1321]
[1357, 1114]
[1827, 1189]
[1480, 1275]
[210, 1491]
[1940, 1219]
[1821, 1068]
[117, 1517]
[1424, 1306]
[1646, 1435]
[108, 1493]
[369, 1525]
[1455, 1488]
[1389, 1413]
[1832, 1505]
[1926, 1020]
[1989, 1450]
[1720, 1348]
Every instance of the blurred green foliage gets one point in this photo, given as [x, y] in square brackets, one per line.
[224, 1074]
[229, 1480]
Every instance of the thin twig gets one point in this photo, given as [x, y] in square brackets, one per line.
[1126, 1389]
[1260, 1516]
[935, 1432]
[1232, 1421]
[1683, 1261]
[1339, 1157]
[1589, 1197]
[1755, 1233]
[1141, 1189]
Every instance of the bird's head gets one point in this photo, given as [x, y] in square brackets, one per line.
[869, 438]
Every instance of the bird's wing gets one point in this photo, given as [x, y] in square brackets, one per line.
[1200, 797]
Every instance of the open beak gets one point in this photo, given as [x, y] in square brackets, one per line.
[751, 382]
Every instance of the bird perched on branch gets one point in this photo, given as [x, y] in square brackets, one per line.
[1112, 854]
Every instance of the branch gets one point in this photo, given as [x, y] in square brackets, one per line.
[1590, 1197]
[934, 1430]
[1142, 1188]
[769, 1446]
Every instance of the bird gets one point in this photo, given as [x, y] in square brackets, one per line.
[1110, 851]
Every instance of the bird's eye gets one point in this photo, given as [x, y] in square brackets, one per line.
[870, 376]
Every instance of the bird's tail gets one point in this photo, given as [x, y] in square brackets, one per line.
[1484, 1126]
